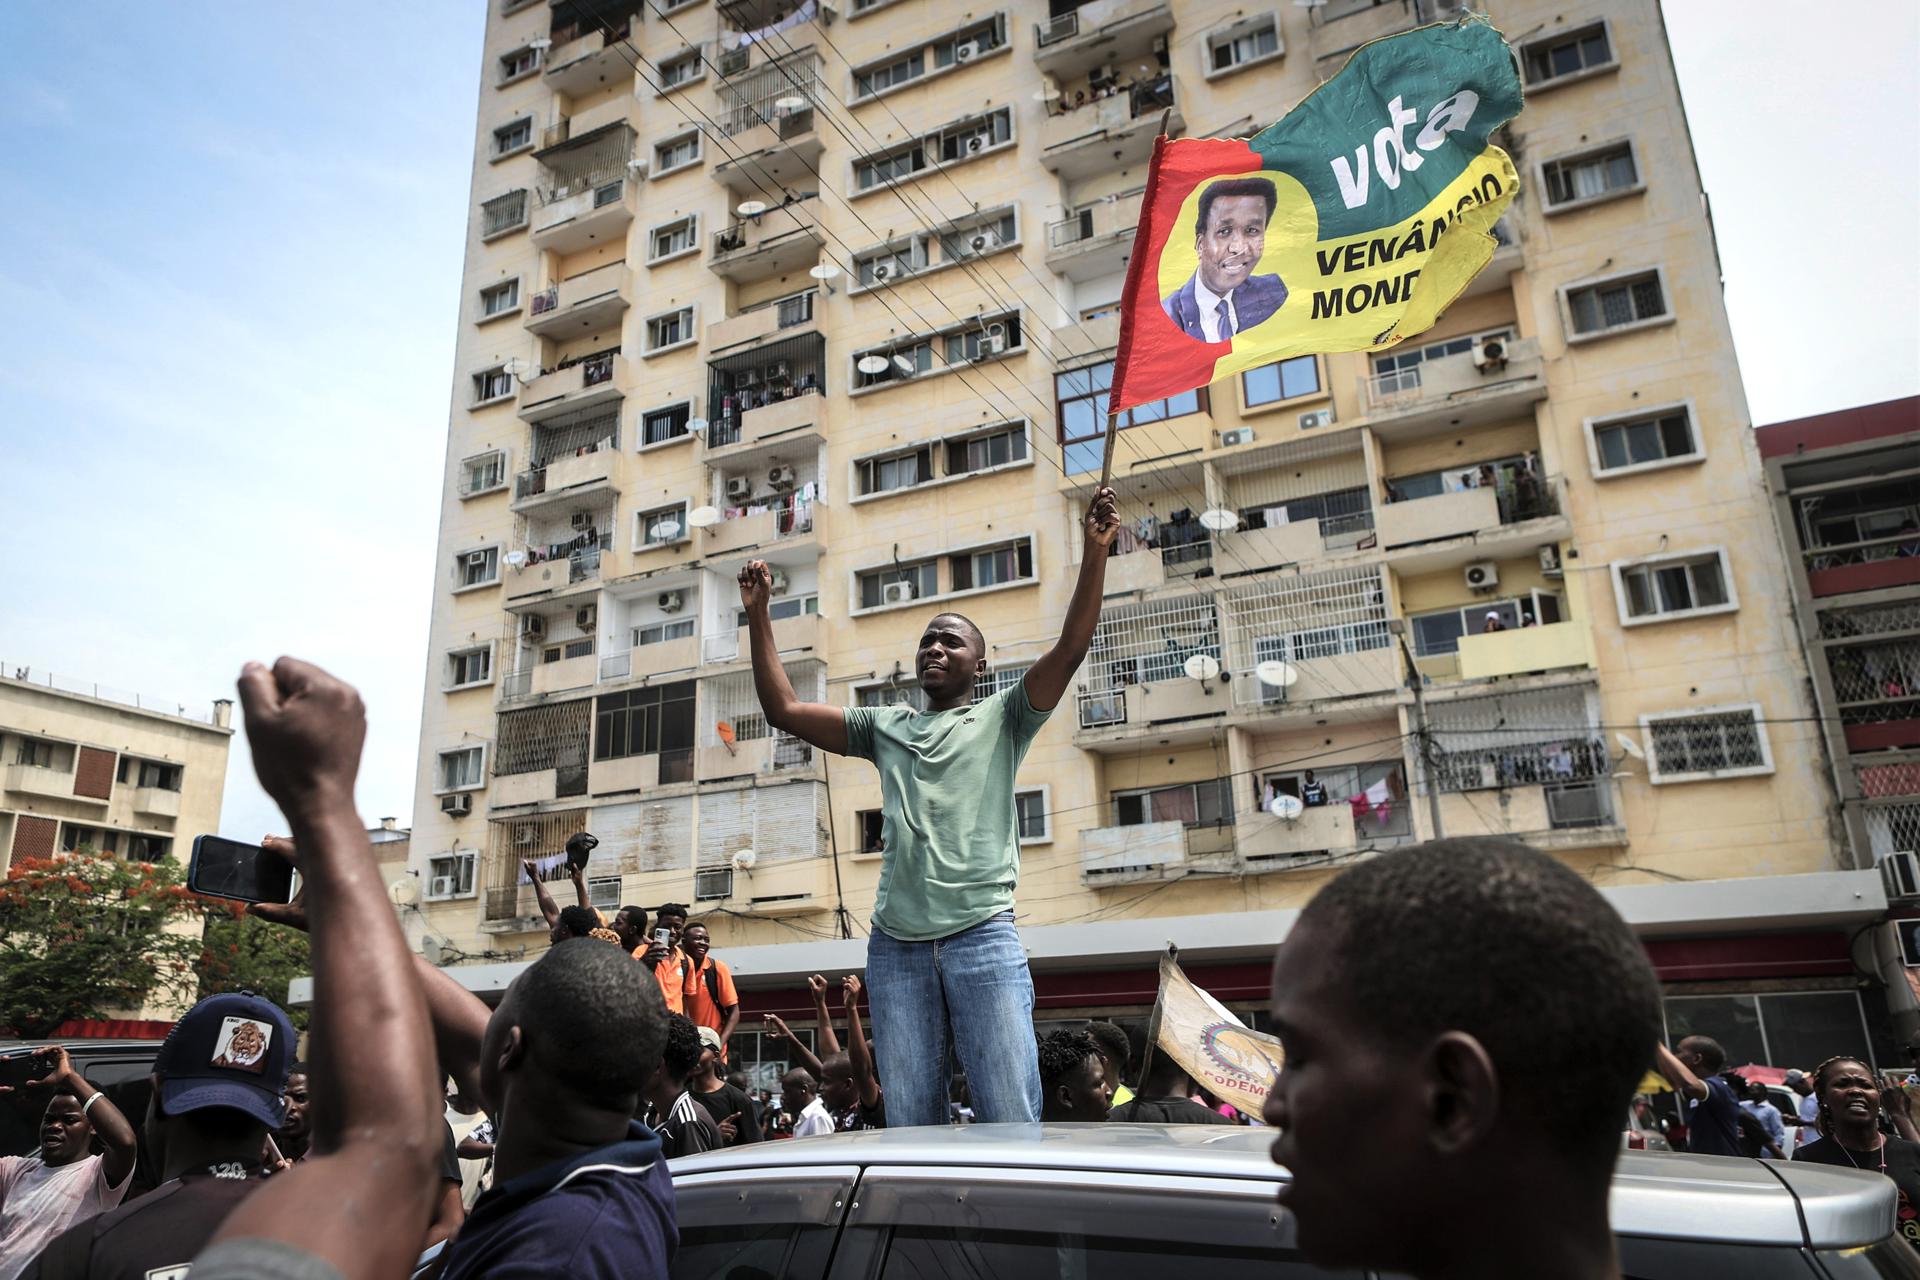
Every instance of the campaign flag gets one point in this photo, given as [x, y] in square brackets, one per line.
[1347, 226]
[1216, 1049]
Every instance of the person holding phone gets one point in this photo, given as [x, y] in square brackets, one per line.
[665, 957]
[43, 1194]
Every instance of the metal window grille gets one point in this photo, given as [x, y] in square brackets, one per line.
[1545, 736]
[512, 840]
[1706, 744]
[902, 693]
[553, 736]
[1886, 672]
[731, 700]
[747, 101]
[997, 680]
[589, 163]
[503, 213]
[1143, 644]
[586, 430]
[764, 375]
[1898, 615]
[1303, 618]
[1895, 778]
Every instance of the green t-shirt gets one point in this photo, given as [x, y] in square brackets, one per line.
[946, 800]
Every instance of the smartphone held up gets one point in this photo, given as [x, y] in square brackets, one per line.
[222, 868]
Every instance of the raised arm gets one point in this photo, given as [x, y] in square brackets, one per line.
[1677, 1074]
[548, 907]
[857, 1043]
[815, 722]
[363, 1200]
[109, 1125]
[777, 1027]
[579, 878]
[829, 1043]
[1047, 679]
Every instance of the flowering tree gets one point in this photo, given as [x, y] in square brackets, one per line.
[245, 954]
[83, 935]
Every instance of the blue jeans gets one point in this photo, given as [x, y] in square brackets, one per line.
[971, 993]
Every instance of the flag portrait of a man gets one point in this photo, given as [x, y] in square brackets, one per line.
[1223, 297]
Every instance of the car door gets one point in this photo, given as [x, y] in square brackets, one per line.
[960, 1223]
[774, 1223]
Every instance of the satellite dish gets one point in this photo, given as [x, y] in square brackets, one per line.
[516, 559]
[1201, 666]
[431, 948]
[903, 364]
[637, 163]
[1630, 746]
[1219, 520]
[750, 208]
[871, 364]
[823, 271]
[790, 103]
[703, 517]
[665, 531]
[404, 890]
[1286, 807]
[697, 426]
[1276, 674]
[744, 859]
[1045, 94]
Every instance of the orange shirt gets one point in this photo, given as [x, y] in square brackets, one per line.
[667, 972]
[698, 997]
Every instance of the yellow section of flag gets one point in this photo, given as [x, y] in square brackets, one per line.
[1222, 1054]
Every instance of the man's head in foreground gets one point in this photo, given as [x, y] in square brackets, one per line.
[1465, 1023]
[1073, 1084]
[952, 655]
[579, 1033]
[837, 1087]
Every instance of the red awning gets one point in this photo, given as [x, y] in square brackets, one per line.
[111, 1029]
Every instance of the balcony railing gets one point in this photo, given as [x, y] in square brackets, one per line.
[545, 300]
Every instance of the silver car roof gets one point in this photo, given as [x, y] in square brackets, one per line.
[1660, 1195]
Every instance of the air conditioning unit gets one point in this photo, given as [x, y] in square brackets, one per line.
[442, 886]
[1316, 418]
[973, 146]
[780, 371]
[1489, 354]
[671, 601]
[883, 271]
[458, 806]
[739, 488]
[533, 626]
[713, 884]
[1482, 575]
[966, 52]
[996, 335]
[777, 581]
[780, 477]
[1900, 875]
[1550, 561]
[983, 241]
[896, 593]
[581, 520]
[1239, 435]
[585, 616]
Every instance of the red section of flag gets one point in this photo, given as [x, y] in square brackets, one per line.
[1155, 359]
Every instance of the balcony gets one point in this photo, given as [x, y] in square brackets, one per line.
[1452, 392]
[587, 56]
[784, 239]
[782, 153]
[1872, 565]
[781, 422]
[1293, 543]
[1113, 33]
[1152, 851]
[543, 678]
[1094, 239]
[1442, 516]
[1508, 257]
[640, 773]
[156, 802]
[1268, 842]
[791, 519]
[1338, 675]
[584, 304]
[1139, 706]
[645, 661]
[565, 480]
[576, 385]
[1525, 650]
[570, 221]
[777, 754]
[804, 636]
[1341, 26]
[35, 780]
[1148, 568]
[1114, 132]
[782, 317]
[1553, 817]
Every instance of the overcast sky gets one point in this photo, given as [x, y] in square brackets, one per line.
[230, 258]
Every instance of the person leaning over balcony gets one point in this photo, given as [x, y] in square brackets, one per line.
[944, 962]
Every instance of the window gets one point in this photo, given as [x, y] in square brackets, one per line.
[1591, 176]
[783, 607]
[463, 769]
[1405, 361]
[673, 239]
[993, 567]
[492, 384]
[872, 826]
[499, 299]
[1561, 57]
[1240, 46]
[1719, 742]
[662, 527]
[1672, 586]
[939, 55]
[997, 680]
[513, 136]
[503, 214]
[1082, 397]
[673, 329]
[73, 838]
[911, 582]
[669, 422]
[892, 167]
[1440, 632]
[1285, 380]
[450, 876]
[682, 68]
[36, 752]
[1030, 816]
[483, 473]
[1800, 1026]
[523, 61]
[641, 722]
[143, 848]
[661, 632]
[970, 138]
[1197, 804]
[895, 471]
[1644, 441]
[891, 263]
[467, 667]
[978, 236]
[983, 452]
[888, 74]
[676, 153]
[476, 568]
[1616, 304]
[159, 775]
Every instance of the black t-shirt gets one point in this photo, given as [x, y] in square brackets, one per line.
[725, 1101]
[1138, 1110]
[861, 1116]
[1902, 1163]
[160, 1231]
[686, 1129]
[1713, 1122]
[449, 1155]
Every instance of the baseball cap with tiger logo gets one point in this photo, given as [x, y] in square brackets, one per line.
[231, 1050]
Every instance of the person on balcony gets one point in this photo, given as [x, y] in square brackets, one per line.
[945, 968]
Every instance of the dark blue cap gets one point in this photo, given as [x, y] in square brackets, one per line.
[229, 1050]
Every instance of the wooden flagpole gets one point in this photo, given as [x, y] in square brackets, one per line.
[1172, 956]
[1106, 459]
